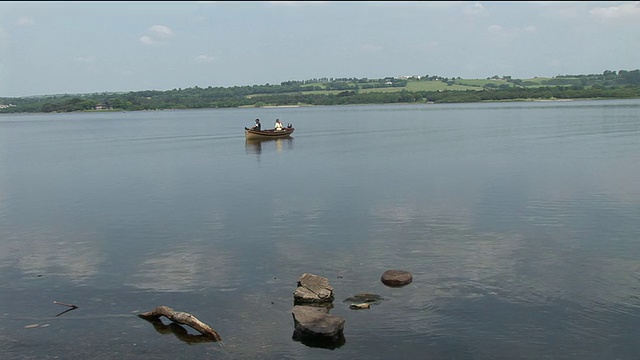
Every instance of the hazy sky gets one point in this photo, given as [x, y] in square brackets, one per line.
[88, 47]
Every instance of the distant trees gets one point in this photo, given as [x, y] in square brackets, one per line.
[342, 91]
[69, 105]
[607, 78]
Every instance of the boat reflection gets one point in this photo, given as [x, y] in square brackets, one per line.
[255, 146]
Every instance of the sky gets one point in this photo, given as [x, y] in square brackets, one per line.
[77, 47]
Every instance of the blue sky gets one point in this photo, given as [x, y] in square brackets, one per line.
[88, 47]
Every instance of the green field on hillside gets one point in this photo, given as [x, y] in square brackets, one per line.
[416, 85]
[412, 85]
[436, 85]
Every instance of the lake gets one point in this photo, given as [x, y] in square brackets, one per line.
[518, 221]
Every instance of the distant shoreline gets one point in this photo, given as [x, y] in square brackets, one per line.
[312, 105]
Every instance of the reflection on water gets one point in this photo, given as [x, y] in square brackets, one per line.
[253, 146]
[330, 344]
[517, 221]
[178, 330]
[256, 146]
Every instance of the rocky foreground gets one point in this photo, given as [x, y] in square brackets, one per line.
[313, 298]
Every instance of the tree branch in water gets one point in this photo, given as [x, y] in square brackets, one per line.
[182, 318]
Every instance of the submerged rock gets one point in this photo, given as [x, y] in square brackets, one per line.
[315, 327]
[396, 278]
[364, 298]
[363, 301]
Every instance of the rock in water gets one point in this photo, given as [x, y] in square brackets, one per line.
[360, 306]
[364, 298]
[314, 326]
[313, 289]
[396, 278]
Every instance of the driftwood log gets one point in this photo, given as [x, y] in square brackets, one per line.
[182, 318]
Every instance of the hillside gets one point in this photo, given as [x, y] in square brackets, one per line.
[344, 91]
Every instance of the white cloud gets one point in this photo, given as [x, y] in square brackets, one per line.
[497, 29]
[475, 9]
[161, 31]
[25, 21]
[204, 59]
[629, 10]
[85, 59]
[159, 34]
[147, 40]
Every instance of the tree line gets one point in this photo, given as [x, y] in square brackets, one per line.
[342, 91]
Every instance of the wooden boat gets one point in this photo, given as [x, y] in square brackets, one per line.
[268, 133]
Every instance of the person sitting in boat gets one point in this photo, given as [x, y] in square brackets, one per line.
[257, 126]
[278, 126]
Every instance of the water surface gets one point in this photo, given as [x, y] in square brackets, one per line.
[518, 222]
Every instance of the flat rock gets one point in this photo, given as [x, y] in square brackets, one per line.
[396, 278]
[360, 306]
[314, 326]
[364, 298]
[313, 289]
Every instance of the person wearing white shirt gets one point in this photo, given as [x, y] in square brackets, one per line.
[278, 126]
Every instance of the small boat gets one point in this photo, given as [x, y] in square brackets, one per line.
[268, 133]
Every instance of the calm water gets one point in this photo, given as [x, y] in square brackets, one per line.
[518, 221]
